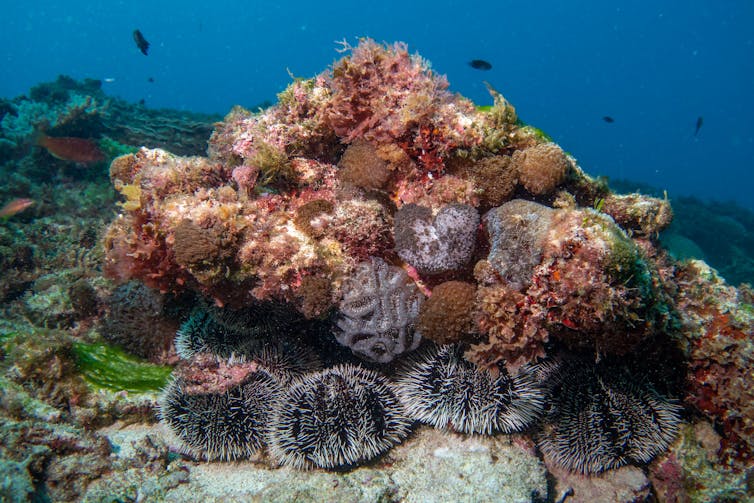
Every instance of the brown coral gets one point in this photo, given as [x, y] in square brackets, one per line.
[447, 316]
[308, 212]
[497, 178]
[541, 168]
[361, 166]
[198, 247]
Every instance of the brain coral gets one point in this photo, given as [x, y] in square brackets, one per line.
[436, 245]
[541, 168]
[378, 311]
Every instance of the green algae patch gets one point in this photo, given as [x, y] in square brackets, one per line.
[111, 368]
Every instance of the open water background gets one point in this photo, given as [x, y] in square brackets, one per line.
[652, 66]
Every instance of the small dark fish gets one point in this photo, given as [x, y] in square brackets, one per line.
[67, 148]
[142, 102]
[480, 64]
[699, 122]
[141, 42]
[608, 119]
[150, 79]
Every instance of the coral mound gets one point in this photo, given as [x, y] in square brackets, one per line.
[439, 387]
[339, 417]
[359, 194]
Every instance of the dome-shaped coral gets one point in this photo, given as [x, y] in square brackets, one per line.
[436, 245]
[518, 230]
[447, 316]
[361, 166]
[541, 168]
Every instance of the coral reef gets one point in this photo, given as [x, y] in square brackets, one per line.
[439, 387]
[343, 223]
[342, 416]
[378, 311]
[563, 274]
[718, 327]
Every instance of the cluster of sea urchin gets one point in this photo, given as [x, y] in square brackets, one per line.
[236, 393]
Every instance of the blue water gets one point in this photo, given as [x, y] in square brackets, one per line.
[652, 66]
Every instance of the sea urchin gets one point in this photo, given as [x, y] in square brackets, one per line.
[339, 417]
[603, 418]
[219, 409]
[439, 387]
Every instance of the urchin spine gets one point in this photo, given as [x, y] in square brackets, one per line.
[604, 418]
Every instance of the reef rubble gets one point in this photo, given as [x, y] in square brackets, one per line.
[380, 252]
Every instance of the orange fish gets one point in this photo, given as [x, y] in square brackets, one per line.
[69, 148]
[15, 206]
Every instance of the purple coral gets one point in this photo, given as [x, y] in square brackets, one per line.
[436, 245]
[377, 312]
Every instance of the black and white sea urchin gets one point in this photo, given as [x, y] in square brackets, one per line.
[220, 410]
[339, 417]
[602, 418]
[282, 356]
[201, 333]
[441, 388]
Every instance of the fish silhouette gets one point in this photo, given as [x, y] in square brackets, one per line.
[608, 119]
[141, 42]
[699, 122]
[15, 206]
[480, 64]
